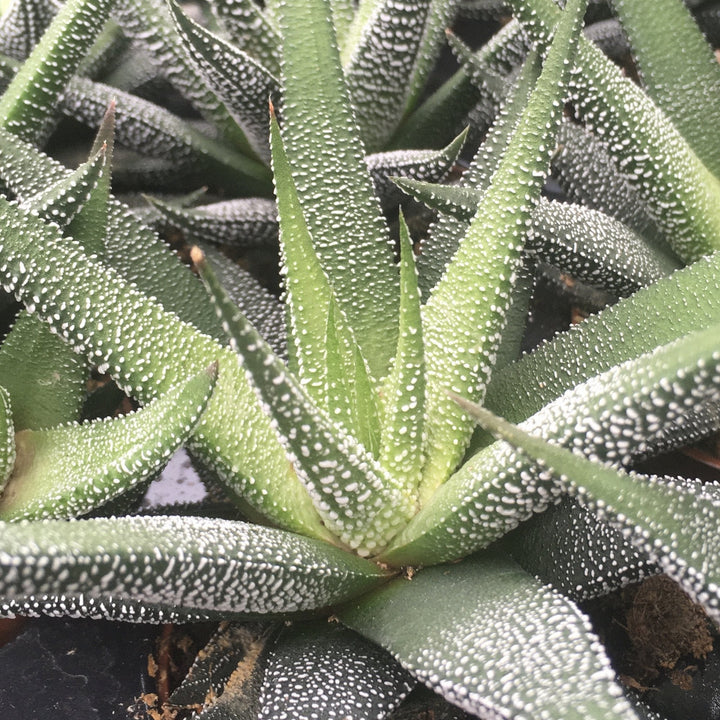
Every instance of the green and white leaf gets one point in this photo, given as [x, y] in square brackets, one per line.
[685, 90]
[131, 248]
[147, 350]
[250, 30]
[680, 191]
[68, 471]
[242, 222]
[28, 105]
[403, 441]
[357, 500]
[616, 416]
[673, 520]
[475, 291]
[427, 165]
[589, 245]
[241, 83]
[495, 641]
[169, 569]
[23, 24]
[321, 670]
[334, 187]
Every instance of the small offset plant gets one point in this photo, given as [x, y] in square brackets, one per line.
[347, 438]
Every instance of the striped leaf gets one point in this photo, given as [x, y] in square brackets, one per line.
[684, 90]
[241, 83]
[28, 104]
[639, 407]
[681, 192]
[68, 471]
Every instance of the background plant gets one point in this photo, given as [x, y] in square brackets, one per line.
[345, 438]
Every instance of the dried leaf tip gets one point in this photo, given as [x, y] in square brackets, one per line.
[271, 108]
[212, 369]
[197, 256]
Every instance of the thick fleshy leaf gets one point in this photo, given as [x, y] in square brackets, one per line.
[243, 222]
[403, 451]
[172, 568]
[587, 244]
[151, 25]
[68, 471]
[682, 193]
[7, 438]
[444, 236]
[684, 90]
[663, 399]
[474, 294]
[357, 500]
[250, 30]
[427, 165]
[333, 184]
[243, 84]
[22, 25]
[495, 641]
[148, 350]
[150, 129]
[261, 308]
[323, 671]
[27, 106]
[686, 301]
[673, 520]
[379, 68]
[324, 350]
[589, 174]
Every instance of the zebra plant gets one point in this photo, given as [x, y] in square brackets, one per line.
[349, 445]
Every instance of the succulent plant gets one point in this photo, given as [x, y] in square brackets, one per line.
[346, 437]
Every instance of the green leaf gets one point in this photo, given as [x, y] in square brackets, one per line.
[686, 90]
[241, 83]
[132, 249]
[7, 438]
[27, 106]
[379, 68]
[250, 30]
[243, 222]
[68, 471]
[310, 298]
[403, 448]
[658, 401]
[474, 293]
[357, 500]
[333, 184]
[170, 569]
[587, 244]
[22, 26]
[150, 129]
[682, 194]
[148, 350]
[686, 301]
[327, 671]
[428, 165]
[495, 642]
[672, 520]
[151, 25]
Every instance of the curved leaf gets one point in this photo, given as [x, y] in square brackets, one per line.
[494, 642]
[176, 568]
[68, 471]
[673, 520]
